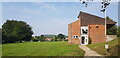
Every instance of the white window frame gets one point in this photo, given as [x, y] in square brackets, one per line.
[86, 27]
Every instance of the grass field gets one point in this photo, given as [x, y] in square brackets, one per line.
[0, 50]
[100, 48]
[41, 49]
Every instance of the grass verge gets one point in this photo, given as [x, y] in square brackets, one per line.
[112, 51]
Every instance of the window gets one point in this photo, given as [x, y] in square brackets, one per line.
[75, 36]
[84, 31]
[96, 26]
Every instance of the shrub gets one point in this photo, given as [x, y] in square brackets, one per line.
[90, 41]
[114, 51]
[112, 31]
[118, 32]
[35, 40]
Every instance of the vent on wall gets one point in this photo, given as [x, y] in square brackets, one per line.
[96, 26]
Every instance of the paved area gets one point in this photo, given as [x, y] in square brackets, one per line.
[88, 51]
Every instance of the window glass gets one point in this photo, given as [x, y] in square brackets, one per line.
[84, 30]
[75, 36]
[96, 26]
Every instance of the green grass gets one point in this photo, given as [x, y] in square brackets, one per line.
[100, 47]
[41, 49]
[0, 50]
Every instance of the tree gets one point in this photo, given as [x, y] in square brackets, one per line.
[0, 35]
[90, 41]
[104, 3]
[109, 18]
[35, 39]
[112, 31]
[16, 31]
[61, 36]
[55, 38]
[42, 38]
[118, 32]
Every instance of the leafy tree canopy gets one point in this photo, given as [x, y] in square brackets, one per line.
[61, 36]
[16, 31]
[112, 31]
[118, 32]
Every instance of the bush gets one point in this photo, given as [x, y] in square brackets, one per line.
[112, 31]
[114, 51]
[118, 32]
[35, 40]
[90, 41]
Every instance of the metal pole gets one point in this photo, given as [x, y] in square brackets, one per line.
[105, 23]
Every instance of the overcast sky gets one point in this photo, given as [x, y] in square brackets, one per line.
[52, 17]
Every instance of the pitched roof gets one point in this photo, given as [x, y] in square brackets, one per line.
[89, 19]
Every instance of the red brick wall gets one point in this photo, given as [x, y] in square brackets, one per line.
[69, 33]
[74, 29]
[97, 35]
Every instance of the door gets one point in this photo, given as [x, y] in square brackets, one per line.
[84, 40]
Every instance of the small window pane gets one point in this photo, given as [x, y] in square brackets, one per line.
[75, 36]
[96, 26]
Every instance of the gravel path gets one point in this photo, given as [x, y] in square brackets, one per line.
[88, 51]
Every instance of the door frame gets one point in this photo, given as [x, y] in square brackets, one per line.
[85, 35]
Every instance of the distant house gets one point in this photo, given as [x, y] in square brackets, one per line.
[66, 39]
[48, 39]
[88, 27]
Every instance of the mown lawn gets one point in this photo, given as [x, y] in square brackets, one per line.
[41, 49]
[100, 48]
[0, 50]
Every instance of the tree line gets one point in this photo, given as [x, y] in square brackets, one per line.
[59, 37]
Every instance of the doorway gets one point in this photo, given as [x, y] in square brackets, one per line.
[83, 40]
[84, 35]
